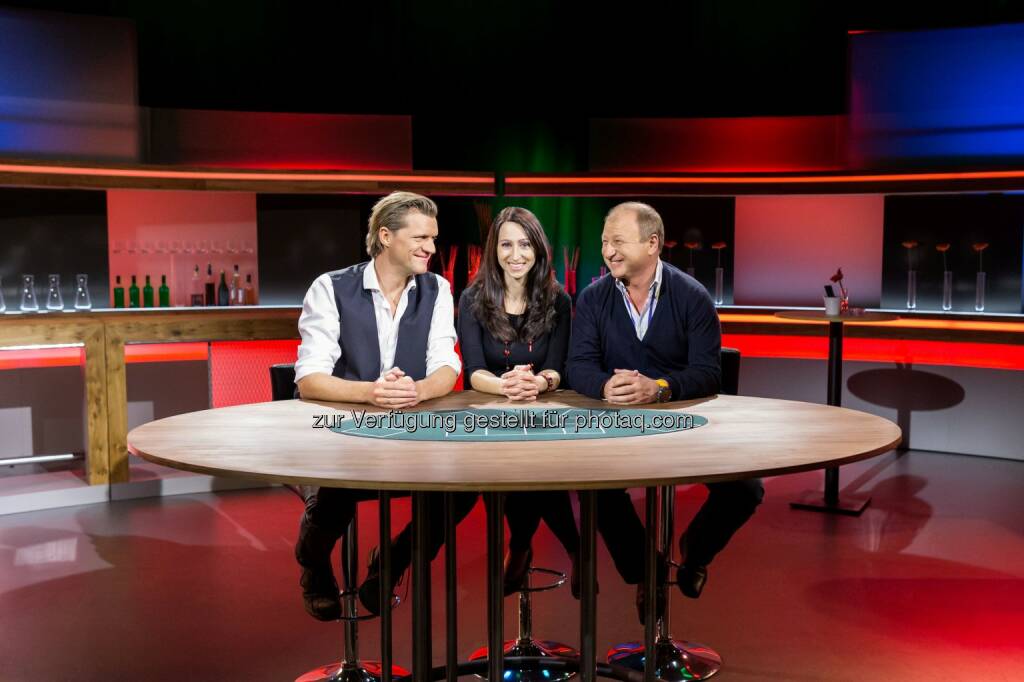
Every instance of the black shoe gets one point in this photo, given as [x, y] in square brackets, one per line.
[320, 593]
[641, 602]
[691, 579]
[369, 591]
[517, 566]
[641, 595]
[319, 588]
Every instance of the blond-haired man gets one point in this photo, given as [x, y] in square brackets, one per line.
[379, 332]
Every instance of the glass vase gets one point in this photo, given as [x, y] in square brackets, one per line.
[719, 286]
[82, 299]
[692, 272]
[979, 292]
[54, 299]
[911, 289]
[3, 303]
[28, 294]
[947, 290]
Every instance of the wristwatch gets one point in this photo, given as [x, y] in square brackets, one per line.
[664, 390]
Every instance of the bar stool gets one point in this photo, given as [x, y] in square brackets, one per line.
[349, 668]
[677, 660]
[526, 645]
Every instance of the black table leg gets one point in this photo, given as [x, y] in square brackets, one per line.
[451, 615]
[588, 599]
[650, 580]
[495, 593]
[851, 504]
[422, 654]
[384, 555]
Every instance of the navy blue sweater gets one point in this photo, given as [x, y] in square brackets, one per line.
[682, 343]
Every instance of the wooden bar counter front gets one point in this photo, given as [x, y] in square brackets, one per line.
[305, 442]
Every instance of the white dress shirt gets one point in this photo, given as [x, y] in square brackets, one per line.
[642, 318]
[320, 326]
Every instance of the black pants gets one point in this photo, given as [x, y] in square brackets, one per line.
[728, 507]
[525, 510]
[330, 510]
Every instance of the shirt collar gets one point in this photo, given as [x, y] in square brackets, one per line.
[656, 284]
[371, 282]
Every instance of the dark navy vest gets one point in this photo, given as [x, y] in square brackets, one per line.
[360, 349]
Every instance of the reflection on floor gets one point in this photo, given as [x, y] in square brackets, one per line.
[927, 584]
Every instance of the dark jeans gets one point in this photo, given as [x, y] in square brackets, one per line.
[728, 507]
[330, 510]
[525, 510]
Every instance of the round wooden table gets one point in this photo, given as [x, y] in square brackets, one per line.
[743, 437]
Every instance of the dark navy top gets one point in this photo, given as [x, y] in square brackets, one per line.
[682, 343]
[480, 350]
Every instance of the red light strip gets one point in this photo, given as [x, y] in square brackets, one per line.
[235, 175]
[938, 353]
[759, 179]
[902, 323]
[74, 357]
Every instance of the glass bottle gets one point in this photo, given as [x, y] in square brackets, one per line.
[911, 289]
[82, 299]
[250, 291]
[147, 294]
[118, 292]
[237, 294]
[165, 293]
[210, 289]
[54, 299]
[28, 294]
[223, 293]
[719, 286]
[979, 292]
[133, 294]
[947, 290]
[196, 289]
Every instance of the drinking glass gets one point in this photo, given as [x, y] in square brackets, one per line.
[28, 294]
[82, 299]
[54, 300]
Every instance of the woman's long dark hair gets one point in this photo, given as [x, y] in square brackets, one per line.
[542, 289]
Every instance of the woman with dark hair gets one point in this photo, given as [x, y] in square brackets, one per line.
[514, 322]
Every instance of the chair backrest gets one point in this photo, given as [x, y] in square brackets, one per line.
[282, 382]
[730, 360]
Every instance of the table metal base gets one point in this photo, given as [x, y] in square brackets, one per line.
[365, 671]
[848, 504]
[674, 660]
[533, 670]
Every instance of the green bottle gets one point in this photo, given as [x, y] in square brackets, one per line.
[147, 294]
[133, 294]
[165, 293]
[118, 293]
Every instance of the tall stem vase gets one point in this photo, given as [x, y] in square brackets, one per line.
[911, 289]
[947, 290]
[979, 292]
[719, 286]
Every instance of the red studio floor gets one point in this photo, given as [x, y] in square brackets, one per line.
[927, 584]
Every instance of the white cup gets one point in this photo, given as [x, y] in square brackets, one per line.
[832, 306]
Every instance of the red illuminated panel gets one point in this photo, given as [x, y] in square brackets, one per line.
[244, 139]
[72, 357]
[777, 264]
[240, 370]
[752, 144]
[943, 353]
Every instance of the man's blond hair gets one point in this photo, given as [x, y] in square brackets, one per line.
[390, 212]
[646, 217]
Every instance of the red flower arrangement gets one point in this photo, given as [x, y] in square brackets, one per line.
[718, 246]
[910, 245]
[979, 248]
[943, 248]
